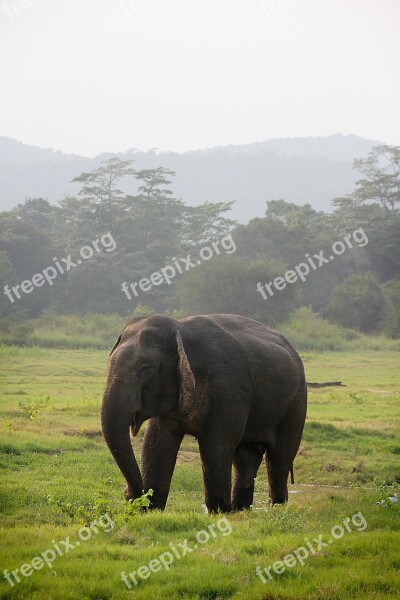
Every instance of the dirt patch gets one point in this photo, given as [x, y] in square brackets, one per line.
[188, 457]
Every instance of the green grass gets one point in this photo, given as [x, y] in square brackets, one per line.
[57, 475]
[306, 330]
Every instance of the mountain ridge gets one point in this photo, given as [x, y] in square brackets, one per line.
[303, 170]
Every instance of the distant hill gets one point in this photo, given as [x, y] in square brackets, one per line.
[300, 170]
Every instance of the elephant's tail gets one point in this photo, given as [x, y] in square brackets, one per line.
[291, 474]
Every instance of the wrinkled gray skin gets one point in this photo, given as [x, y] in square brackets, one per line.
[231, 382]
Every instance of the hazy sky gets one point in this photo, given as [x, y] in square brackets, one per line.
[88, 76]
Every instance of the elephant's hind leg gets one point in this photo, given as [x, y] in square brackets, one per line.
[282, 452]
[246, 462]
[278, 472]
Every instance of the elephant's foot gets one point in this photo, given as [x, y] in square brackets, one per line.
[217, 505]
[242, 498]
[278, 500]
[279, 493]
[129, 494]
[219, 508]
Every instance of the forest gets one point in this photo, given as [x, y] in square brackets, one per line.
[140, 235]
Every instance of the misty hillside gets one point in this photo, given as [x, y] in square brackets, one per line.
[301, 170]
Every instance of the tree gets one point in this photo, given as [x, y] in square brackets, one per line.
[29, 248]
[36, 211]
[358, 303]
[381, 182]
[153, 219]
[392, 321]
[227, 284]
[206, 223]
[100, 189]
[292, 216]
[8, 277]
[382, 253]
[287, 233]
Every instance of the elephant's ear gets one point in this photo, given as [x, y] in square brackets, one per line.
[187, 382]
[116, 344]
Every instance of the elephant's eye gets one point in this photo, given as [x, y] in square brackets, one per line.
[145, 369]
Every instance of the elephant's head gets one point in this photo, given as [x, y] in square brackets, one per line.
[148, 375]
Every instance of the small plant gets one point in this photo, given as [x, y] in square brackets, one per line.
[34, 408]
[99, 506]
[8, 426]
[137, 506]
[357, 398]
[86, 512]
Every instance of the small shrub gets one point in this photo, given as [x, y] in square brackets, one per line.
[358, 301]
[8, 426]
[85, 512]
[34, 408]
[137, 506]
[309, 331]
[15, 332]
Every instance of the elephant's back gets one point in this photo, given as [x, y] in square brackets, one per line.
[242, 327]
[266, 351]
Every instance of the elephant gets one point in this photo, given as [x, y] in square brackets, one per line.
[231, 382]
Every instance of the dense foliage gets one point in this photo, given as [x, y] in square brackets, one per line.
[359, 289]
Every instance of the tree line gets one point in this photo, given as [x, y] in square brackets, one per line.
[359, 289]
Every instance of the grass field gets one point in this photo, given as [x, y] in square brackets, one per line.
[57, 476]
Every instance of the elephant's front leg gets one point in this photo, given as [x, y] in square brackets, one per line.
[217, 474]
[160, 448]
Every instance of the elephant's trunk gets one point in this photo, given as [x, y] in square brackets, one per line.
[116, 418]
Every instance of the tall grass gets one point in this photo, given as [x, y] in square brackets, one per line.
[306, 330]
[66, 331]
[76, 331]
